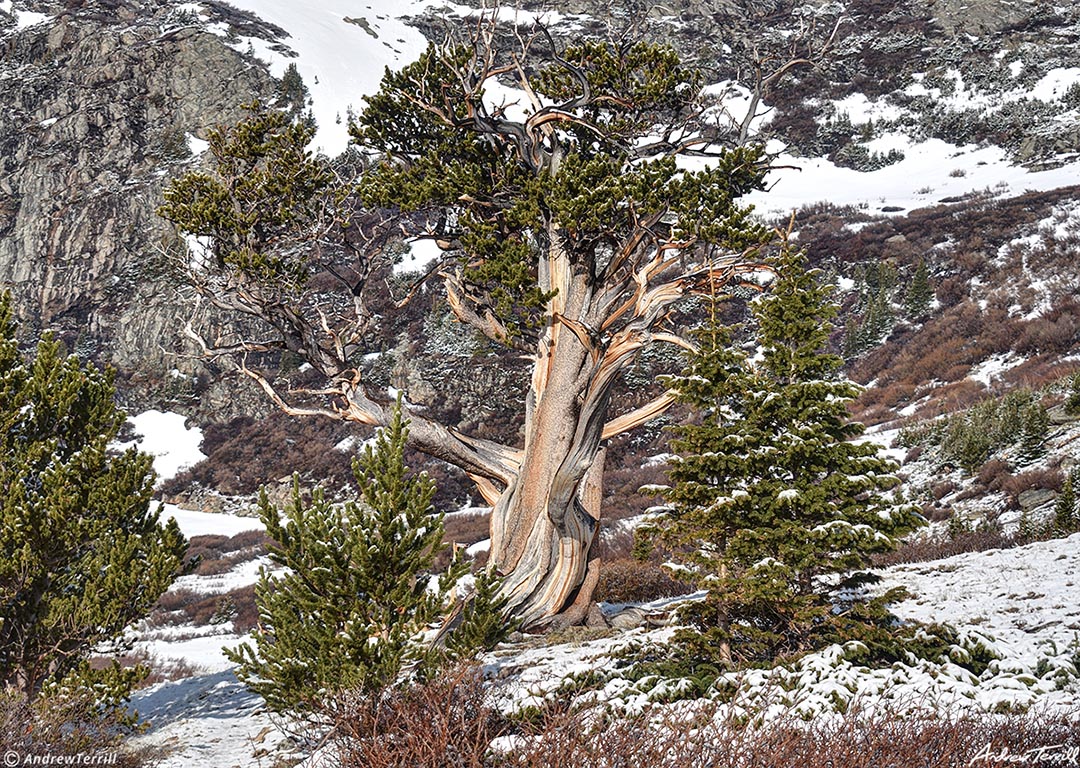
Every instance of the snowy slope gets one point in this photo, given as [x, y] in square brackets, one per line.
[1026, 597]
[930, 172]
[167, 438]
[1023, 602]
[194, 523]
[341, 48]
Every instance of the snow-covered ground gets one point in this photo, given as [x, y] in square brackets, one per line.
[1026, 597]
[1022, 603]
[341, 50]
[167, 438]
[23, 18]
[194, 523]
[931, 171]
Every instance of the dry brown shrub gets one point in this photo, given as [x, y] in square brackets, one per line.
[622, 486]
[943, 489]
[159, 669]
[1034, 480]
[54, 731]
[874, 739]
[924, 549]
[185, 606]
[1055, 332]
[449, 722]
[1037, 372]
[466, 528]
[452, 721]
[254, 539]
[632, 581]
[216, 554]
[175, 600]
[245, 453]
[962, 394]
[993, 473]
[614, 543]
[462, 530]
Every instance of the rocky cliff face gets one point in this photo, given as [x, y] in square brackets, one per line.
[101, 103]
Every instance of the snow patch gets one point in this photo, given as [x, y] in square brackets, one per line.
[196, 145]
[341, 49]
[422, 253]
[165, 436]
[478, 547]
[23, 19]
[195, 523]
[993, 367]
[860, 109]
[950, 171]
[1053, 85]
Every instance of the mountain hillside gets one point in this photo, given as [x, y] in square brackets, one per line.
[926, 151]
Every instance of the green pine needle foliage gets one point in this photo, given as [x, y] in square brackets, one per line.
[967, 439]
[82, 553]
[348, 613]
[267, 192]
[483, 621]
[1072, 399]
[919, 295]
[509, 208]
[774, 508]
[1066, 512]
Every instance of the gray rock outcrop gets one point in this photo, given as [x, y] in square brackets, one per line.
[100, 105]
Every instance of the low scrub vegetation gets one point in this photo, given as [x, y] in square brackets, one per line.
[456, 720]
[627, 580]
[968, 439]
[64, 730]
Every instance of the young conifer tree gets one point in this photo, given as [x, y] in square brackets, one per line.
[1066, 513]
[774, 506]
[919, 295]
[1072, 399]
[82, 554]
[347, 615]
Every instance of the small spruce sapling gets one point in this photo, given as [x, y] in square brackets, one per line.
[1034, 428]
[348, 613]
[919, 295]
[1072, 400]
[1066, 513]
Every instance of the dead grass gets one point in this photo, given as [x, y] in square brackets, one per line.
[452, 722]
[926, 549]
[631, 581]
[159, 670]
[184, 606]
[215, 554]
[55, 731]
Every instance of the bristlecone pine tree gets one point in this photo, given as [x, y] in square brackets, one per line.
[347, 614]
[773, 507]
[82, 554]
[569, 232]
